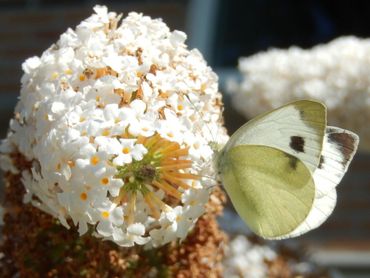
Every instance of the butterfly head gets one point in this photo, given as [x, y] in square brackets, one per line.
[217, 153]
[216, 147]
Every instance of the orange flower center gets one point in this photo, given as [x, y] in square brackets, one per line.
[126, 150]
[83, 196]
[104, 181]
[94, 160]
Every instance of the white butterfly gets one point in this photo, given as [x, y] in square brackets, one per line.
[281, 169]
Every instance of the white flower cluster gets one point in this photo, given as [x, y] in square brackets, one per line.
[247, 260]
[116, 120]
[338, 74]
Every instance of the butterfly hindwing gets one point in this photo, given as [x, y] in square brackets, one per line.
[272, 191]
[322, 208]
[339, 147]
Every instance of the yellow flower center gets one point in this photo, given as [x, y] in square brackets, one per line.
[54, 75]
[105, 214]
[83, 196]
[104, 181]
[68, 71]
[106, 132]
[126, 150]
[94, 160]
[82, 77]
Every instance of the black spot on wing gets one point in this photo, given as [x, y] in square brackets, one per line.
[293, 161]
[345, 143]
[297, 143]
[322, 162]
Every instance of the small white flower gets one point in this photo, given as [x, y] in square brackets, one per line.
[194, 201]
[31, 64]
[141, 127]
[139, 107]
[129, 151]
[171, 128]
[108, 145]
[181, 223]
[135, 234]
[108, 215]
[181, 105]
[77, 203]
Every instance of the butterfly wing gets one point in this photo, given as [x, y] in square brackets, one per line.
[338, 150]
[339, 147]
[297, 128]
[271, 190]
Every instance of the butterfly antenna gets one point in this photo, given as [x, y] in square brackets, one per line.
[212, 144]
[216, 181]
[201, 117]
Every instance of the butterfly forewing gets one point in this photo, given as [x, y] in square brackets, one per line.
[272, 191]
[297, 128]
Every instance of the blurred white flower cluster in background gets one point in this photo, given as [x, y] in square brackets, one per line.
[116, 118]
[247, 260]
[337, 73]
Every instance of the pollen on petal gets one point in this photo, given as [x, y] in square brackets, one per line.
[105, 214]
